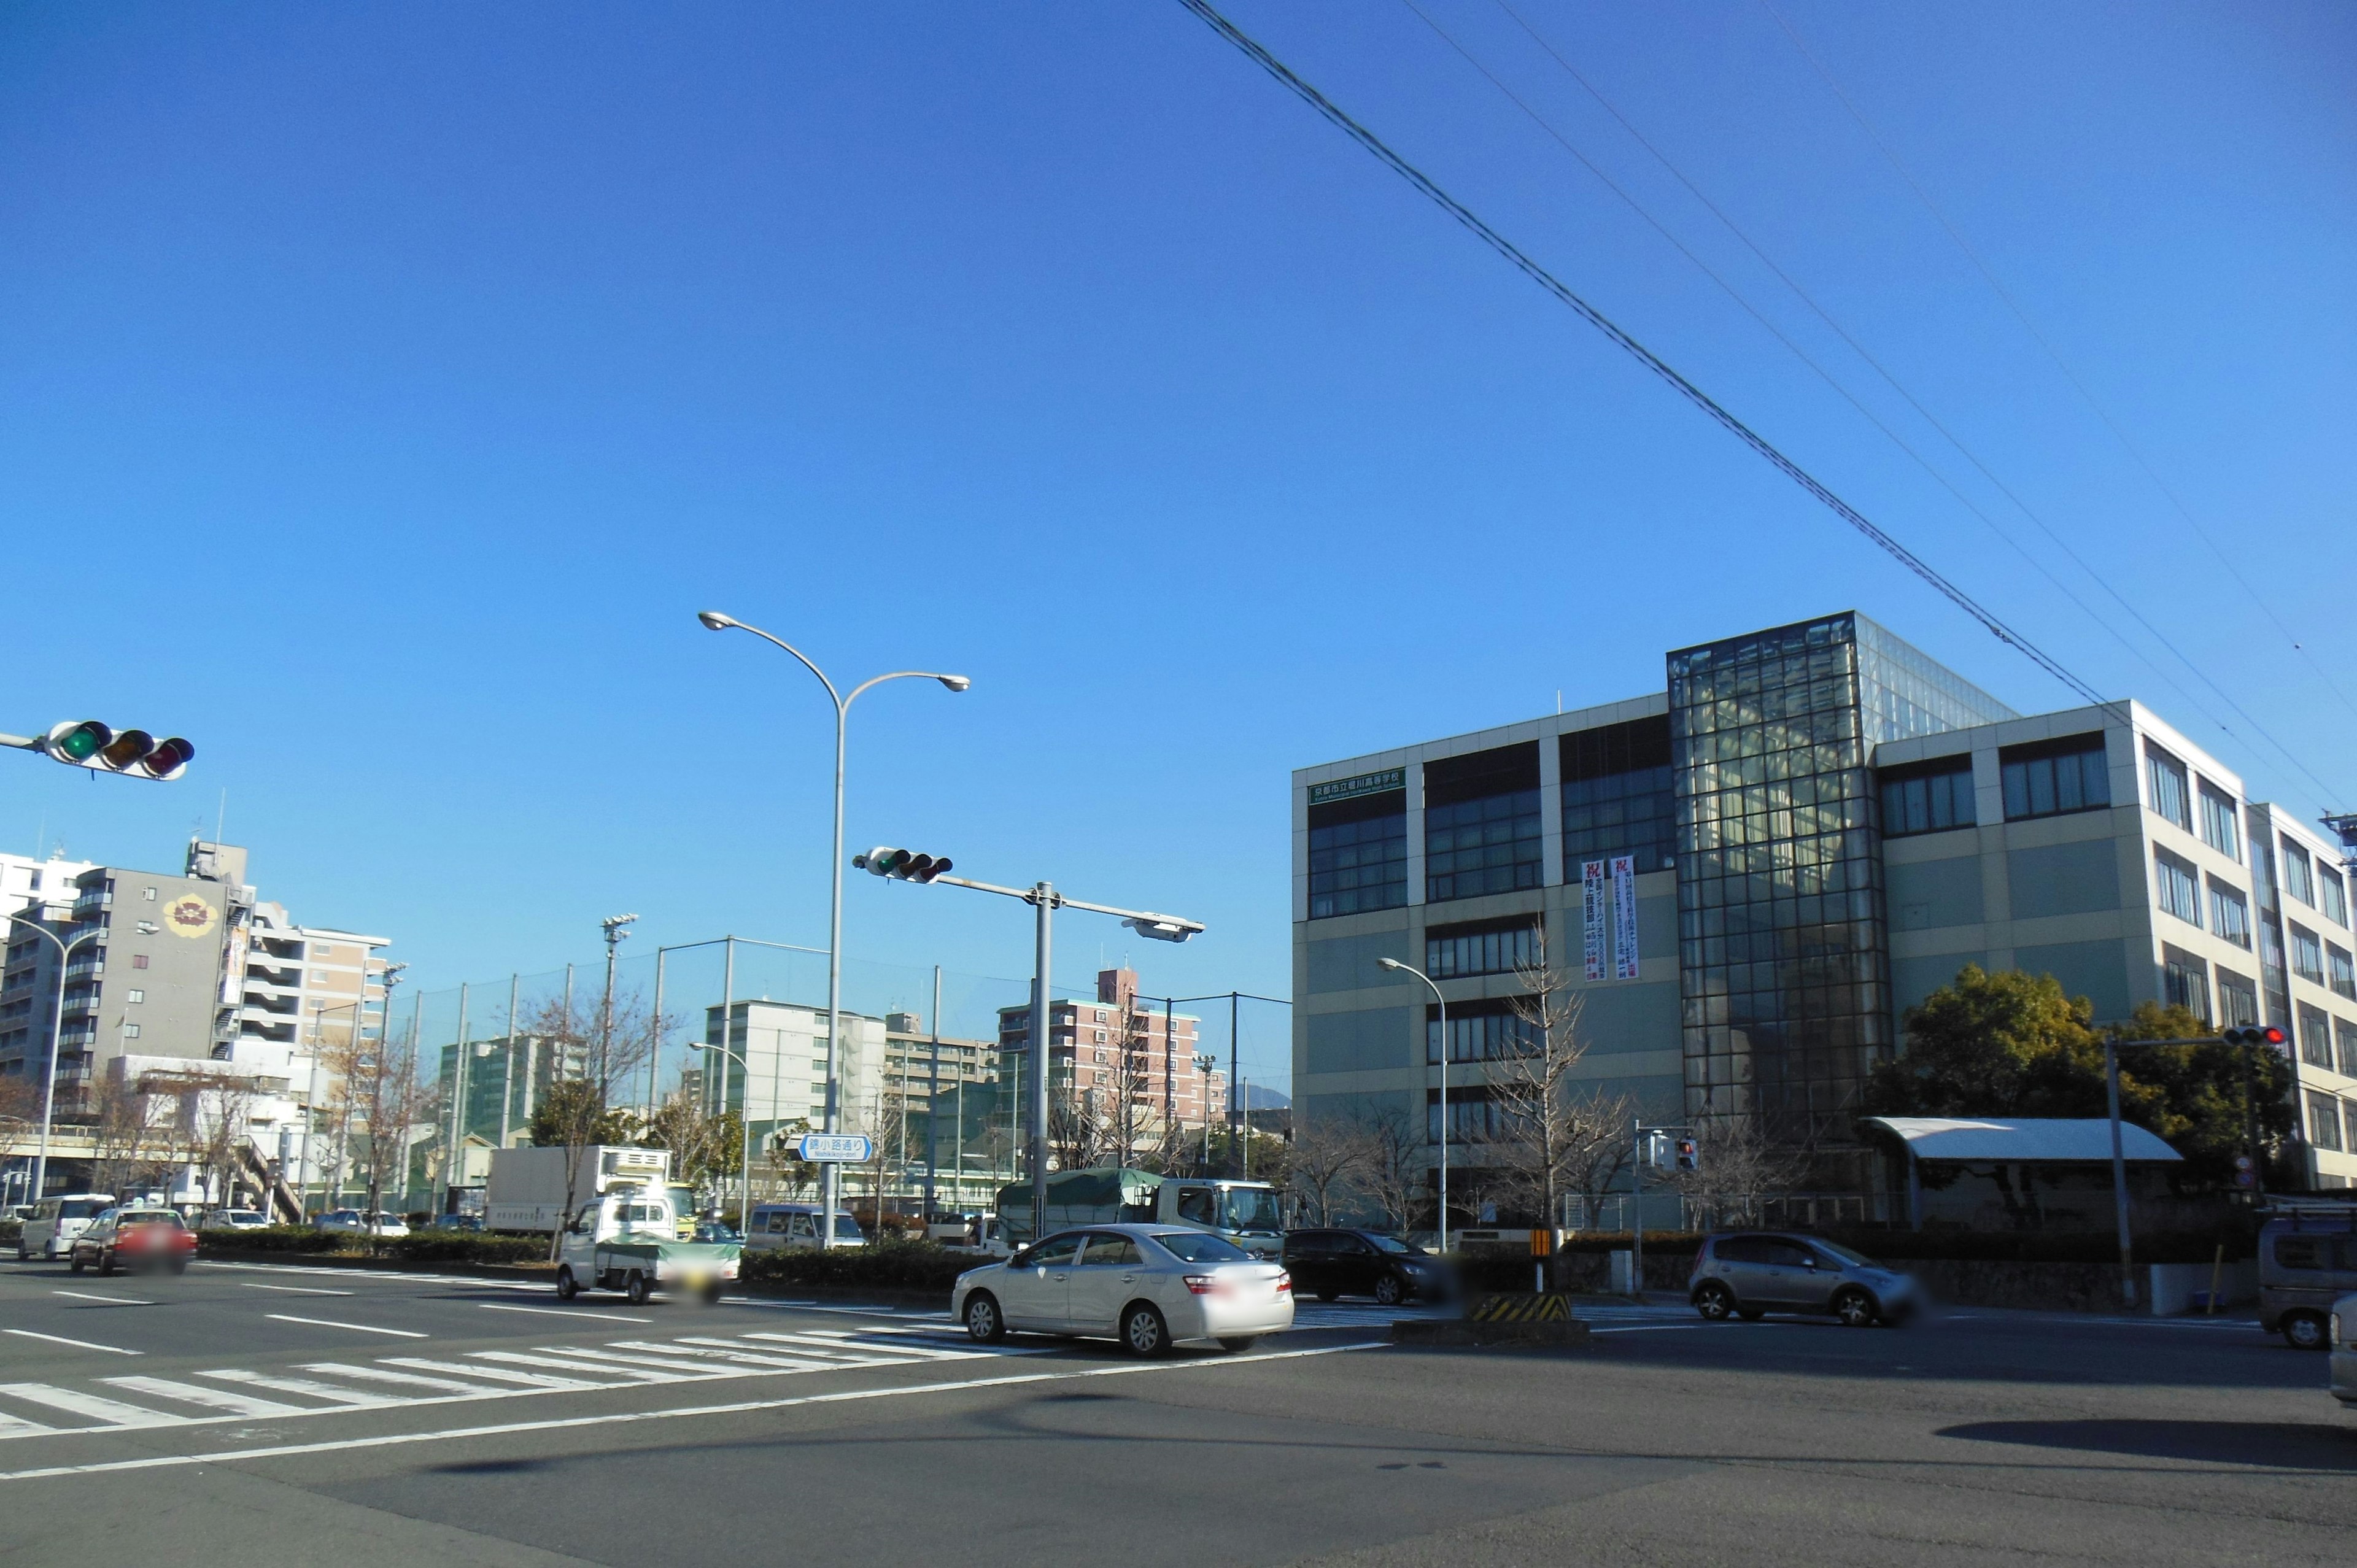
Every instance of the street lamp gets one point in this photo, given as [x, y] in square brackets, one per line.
[1443, 1001]
[714, 621]
[57, 1028]
[744, 1146]
[901, 865]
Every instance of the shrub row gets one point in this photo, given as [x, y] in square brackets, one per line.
[894, 1265]
[275, 1239]
[426, 1247]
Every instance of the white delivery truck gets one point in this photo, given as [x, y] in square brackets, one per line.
[627, 1240]
[528, 1187]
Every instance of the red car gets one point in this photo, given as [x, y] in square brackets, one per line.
[134, 1238]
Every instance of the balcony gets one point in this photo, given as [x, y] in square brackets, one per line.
[280, 1006]
[286, 979]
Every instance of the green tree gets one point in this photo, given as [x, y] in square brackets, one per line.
[2196, 1096]
[574, 1112]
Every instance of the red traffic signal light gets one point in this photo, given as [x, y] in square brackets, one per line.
[1688, 1157]
[2259, 1035]
[86, 743]
[901, 864]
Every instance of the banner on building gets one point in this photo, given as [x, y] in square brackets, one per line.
[1624, 917]
[1591, 912]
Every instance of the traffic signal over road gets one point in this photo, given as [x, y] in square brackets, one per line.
[1688, 1157]
[901, 864]
[2263, 1035]
[86, 743]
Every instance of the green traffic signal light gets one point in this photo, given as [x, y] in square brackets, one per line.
[73, 742]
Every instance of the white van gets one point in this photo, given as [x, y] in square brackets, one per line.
[56, 1221]
[795, 1226]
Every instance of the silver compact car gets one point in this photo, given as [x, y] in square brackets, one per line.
[1149, 1286]
[1749, 1273]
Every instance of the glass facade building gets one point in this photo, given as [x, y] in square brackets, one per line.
[1782, 962]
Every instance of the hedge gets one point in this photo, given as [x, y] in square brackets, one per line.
[896, 1265]
[274, 1239]
[426, 1247]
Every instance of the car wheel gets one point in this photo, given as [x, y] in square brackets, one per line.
[179, 1265]
[1388, 1292]
[982, 1322]
[1715, 1301]
[1143, 1331]
[73, 1263]
[639, 1290]
[567, 1287]
[1751, 1314]
[710, 1295]
[1854, 1308]
[1329, 1295]
[1236, 1343]
[2305, 1331]
[105, 1264]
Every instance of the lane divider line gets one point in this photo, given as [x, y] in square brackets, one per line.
[356, 1327]
[293, 1290]
[560, 1424]
[106, 1300]
[79, 1344]
[564, 1312]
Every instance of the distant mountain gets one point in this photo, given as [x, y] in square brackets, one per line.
[1258, 1097]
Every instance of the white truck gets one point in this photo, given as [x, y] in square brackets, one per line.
[527, 1190]
[1247, 1213]
[627, 1238]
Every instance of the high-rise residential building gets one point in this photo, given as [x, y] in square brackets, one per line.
[1752, 874]
[1117, 1049]
[782, 1075]
[28, 975]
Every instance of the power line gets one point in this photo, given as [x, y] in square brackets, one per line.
[2158, 635]
[1988, 275]
[1539, 274]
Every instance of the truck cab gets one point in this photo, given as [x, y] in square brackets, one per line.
[1245, 1212]
[628, 1239]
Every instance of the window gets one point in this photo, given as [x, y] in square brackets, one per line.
[2340, 971]
[2180, 888]
[2164, 781]
[1479, 1032]
[2219, 827]
[1198, 1205]
[139, 960]
[134, 995]
[2315, 1037]
[1101, 1035]
[1928, 797]
[1100, 1015]
[2238, 1001]
[130, 1031]
[148, 893]
[2230, 914]
[2052, 776]
[1481, 824]
[2335, 899]
[1117, 1251]
[2307, 955]
[1616, 796]
[1481, 947]
[1358, 851]
[2323, 1121]
[2297, 879]
[2184, 980]
[2345, 1033]
[1473, 1116]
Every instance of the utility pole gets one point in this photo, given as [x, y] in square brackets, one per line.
[932, 1098]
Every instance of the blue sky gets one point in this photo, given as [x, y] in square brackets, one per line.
[385, 388]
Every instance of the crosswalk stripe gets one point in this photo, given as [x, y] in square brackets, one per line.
[666, 1366]
[842, 1344]
[496, 1374]
[404, 1380]
[115, 1412]
[328, 1392]
[615, 1369]
[215, 1398]
[17, 1426]
[698, 1354]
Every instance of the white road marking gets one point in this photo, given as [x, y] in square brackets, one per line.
[389, 1440]
[17, 1426]
[115, 1412]
[643, 1374]
[564, 1312]
[539, 1382]
[328, 1392]
[216, 1399]
[703, 1354]
[842, 1345]
[357, 1327]
[405, 1379]
[293, 1290]
[664, 1366]
[81, 1344]
[108, 1300]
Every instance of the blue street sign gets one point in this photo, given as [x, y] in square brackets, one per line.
[834, 1148]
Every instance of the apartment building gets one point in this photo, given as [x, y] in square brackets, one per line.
[1121, 1044]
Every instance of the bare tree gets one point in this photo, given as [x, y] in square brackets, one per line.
[1393, 1174]
[130, 1134]
[603, 1044]
[1326, 1153]
[1735, 1168]
[1600, 1147]
[1104, 1117]
[1533, 1094]
[706, 1146]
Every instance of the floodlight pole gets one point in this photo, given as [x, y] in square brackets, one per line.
[57, 1030]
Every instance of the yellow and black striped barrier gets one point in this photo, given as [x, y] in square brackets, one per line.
[1547, 1308]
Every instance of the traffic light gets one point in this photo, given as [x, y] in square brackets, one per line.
[86, 743]
[1688, 1157]
[2262, 1034]
[901, 864]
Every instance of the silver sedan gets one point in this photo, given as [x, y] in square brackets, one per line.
[1148, 1286]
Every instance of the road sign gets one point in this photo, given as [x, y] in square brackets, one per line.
[834, 1148]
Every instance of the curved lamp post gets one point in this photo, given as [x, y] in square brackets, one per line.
[57, 1028]
[1443, 1001]
[714, 621]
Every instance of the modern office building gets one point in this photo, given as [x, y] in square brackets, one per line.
[1119, 1044]
[1753, 874]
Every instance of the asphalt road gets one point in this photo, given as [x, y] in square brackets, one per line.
[261, 1416]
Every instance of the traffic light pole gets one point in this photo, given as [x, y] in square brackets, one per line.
[2119, 1161]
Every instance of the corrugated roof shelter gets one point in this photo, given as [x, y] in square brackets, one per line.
[2042, 1140]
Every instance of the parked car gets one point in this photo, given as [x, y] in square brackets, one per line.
[1749, 1273]
[2307, 1259]
[234, 1219]
[1148, 1286]
[56, 1221]
[1331, 1264]
[796, 1227]
[2342, 1325]
[718, 1231]
[133, 1239]
[468, 1223]
[351, 1221]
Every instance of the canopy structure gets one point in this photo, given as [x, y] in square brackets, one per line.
[2028, 1139]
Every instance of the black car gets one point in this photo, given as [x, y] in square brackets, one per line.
[1331, 1264]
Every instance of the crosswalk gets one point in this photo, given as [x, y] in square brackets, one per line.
[138, 1402]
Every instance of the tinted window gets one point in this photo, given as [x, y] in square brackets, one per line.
[1787, 1254]
[1309, 1243]
[1055, 1252]
[1109, 1249]
[1200, 1204]
[1739, 1250]
[1200, 1247]
[2050, 777]
[2303, 1252]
